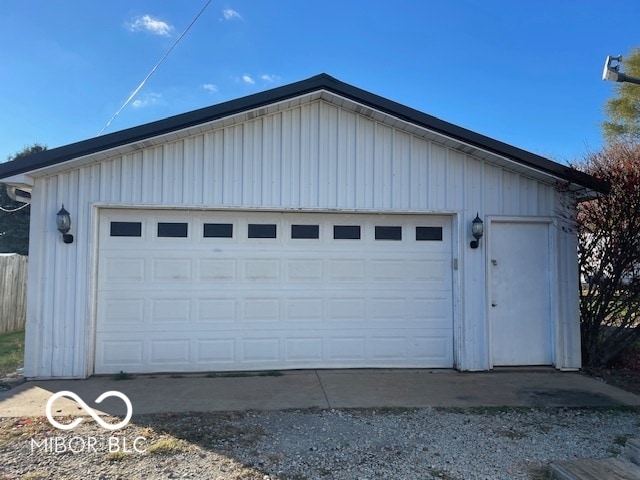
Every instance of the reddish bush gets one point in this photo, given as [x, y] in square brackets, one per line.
[608, 230]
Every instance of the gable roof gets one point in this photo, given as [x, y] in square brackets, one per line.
[322, 82]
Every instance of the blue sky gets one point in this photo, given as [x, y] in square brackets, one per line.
[524, 72]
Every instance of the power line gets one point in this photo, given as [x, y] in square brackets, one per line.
[6, 210]
[153, 70]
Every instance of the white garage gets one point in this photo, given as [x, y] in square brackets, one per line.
[314, 225]
[216, 290]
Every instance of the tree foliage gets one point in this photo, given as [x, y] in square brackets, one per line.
[14, 223]
[609, 255]
[623, 110]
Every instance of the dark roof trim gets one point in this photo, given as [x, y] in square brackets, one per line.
[319, 82]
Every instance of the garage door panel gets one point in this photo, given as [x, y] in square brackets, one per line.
[261, 270]
[347, 269]
[389, 271]
[170, 310]
[115, 354]
[199, 303]
[216, 351]
[130, 270]
[169, 352]
[304, 349]
[388, 309]
[434, 348]
[218, 310]
[260, 350]
[435, 271]
[345, 308]
[388, 348]
[122, 311]
[347, 348]
[304, 309]
[304, 270]
[218, 270]
[431, 312]
[261, 309]
[171, 270]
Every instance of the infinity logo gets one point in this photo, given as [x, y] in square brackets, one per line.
[89, 410]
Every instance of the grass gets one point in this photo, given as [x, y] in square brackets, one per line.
[16, 430]
[168, 445]
[11, 352]
[34, 476]
[122, 376]
[116, 456]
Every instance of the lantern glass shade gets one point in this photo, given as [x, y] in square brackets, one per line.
[477, 228]
[63, 220]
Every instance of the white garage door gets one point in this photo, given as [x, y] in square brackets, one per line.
[203, 291]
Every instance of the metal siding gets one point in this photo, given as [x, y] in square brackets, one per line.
[568, 351]
[37, 261]
[311, 156]
[346, 148]
[510, 193]
[456, 192]
[365, 164]
[81, 271]
[436, 177]
[492, 191]
[528, 197]
[419, 174]
[474, 354]
[189, 165]
[546, 199]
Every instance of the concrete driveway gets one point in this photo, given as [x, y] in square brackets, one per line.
[320, 389]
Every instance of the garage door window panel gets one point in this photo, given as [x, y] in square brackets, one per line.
[429, 234]
[126, 229]
[173, 230]
[305, 231]
[388, 233]
[262, 230]
[217, 230]
[346, 232]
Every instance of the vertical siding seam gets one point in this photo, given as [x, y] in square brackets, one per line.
[80, 300]
[336, 159]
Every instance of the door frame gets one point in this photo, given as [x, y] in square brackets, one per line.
[553, 278]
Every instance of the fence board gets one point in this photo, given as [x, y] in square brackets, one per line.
[13, 292]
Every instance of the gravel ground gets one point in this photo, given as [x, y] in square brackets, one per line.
[317, 444]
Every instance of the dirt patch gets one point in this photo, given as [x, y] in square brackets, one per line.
[624, 374]
[624, 378]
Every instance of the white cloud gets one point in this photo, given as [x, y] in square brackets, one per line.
[269, 78]
[248, 80]
[147, 23]
[147, 100]
[210, 87]
[230, 14]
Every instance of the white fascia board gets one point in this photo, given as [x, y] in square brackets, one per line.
[21, 181]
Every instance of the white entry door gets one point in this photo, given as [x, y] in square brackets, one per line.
[520, 293]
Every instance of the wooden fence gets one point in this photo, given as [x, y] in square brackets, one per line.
[13, 292]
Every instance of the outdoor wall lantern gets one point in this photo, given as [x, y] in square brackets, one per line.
[63, 220]
[477, 231]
